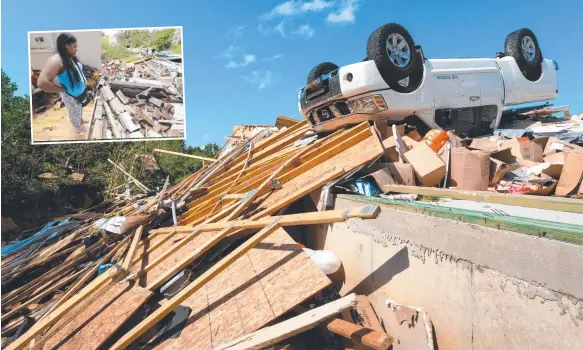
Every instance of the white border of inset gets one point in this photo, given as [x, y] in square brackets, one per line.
[106, 140]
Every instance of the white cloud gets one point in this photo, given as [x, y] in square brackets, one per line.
[235, 32]
[229, 53]
[246, 60]
[292, 8]
[305, 31]
[272, 58]
[262, 79]
[280, 28]
[345, 13]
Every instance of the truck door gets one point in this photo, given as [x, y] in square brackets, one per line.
[457, 83]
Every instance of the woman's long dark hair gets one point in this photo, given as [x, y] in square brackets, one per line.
[69, 62]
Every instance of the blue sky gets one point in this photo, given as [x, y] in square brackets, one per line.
[246, 60]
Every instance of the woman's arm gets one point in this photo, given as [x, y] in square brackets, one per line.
[48, 74]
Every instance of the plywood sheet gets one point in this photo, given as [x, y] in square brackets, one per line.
[348, 160]
[238, 299]
[100, 318]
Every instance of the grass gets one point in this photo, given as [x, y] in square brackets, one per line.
[130, 58]
[177, 49]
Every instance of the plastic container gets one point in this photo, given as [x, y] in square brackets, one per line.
[436, 138]
[326, 260]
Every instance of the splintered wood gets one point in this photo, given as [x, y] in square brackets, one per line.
[260, 286]
[242, 269]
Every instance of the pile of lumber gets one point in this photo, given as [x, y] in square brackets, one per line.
[206, 263]
[145, 113]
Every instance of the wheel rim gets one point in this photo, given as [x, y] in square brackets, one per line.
[398, 50]
[528, 48]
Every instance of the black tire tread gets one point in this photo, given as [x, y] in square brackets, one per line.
[513, 48]
[376, 50]
[321, 69]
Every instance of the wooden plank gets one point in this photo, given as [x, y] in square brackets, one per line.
[201, 281]
[131, 177]
[74, 288]
[286, 329]
[542, 202]
[366, 212]
[156, 150]
[312, 218]
[102, 317]
[348, 160]
[366, 336]
[133, 248]
[42, 325]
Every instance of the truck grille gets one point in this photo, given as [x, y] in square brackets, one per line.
[332, 90]
[342, 107]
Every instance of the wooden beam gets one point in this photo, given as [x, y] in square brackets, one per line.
[160, 313]
[273, 334]
[185, 155]
[542, 202]
[318, 217]
[201, 281]
[133, 247]
[131, 177]
[39, 327]
[366, 336]
[38, 297]
[74, 288]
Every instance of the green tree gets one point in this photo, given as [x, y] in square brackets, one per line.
[162, 39]
[31, 201]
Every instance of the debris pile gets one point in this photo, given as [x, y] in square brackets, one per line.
[132, 105]
[211, 255]
[542, 159]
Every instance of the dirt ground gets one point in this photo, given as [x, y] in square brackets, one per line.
[54, 125]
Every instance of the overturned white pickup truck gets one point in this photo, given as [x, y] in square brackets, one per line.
[396, 83]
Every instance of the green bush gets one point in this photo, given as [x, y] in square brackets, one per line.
[162, 39]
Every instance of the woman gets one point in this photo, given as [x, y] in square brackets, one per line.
[63, 73]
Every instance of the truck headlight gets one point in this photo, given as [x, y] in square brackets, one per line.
[368, 105]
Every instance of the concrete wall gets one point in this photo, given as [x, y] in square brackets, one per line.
[89, 48]
[482, 288]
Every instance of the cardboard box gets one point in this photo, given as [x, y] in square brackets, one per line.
[428, 167]
[529, 150]
[489, 144]
[553, 146]
[558, 157]
[470, 169]
[391, 149]
[403, 174]
[415, 136]
[571, 174]
[383, 176]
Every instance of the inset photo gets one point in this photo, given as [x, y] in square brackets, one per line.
[107, 85]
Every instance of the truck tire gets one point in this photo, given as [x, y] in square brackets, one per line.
[522, 45]
[412, 82]
[321, 69]
[393, 51]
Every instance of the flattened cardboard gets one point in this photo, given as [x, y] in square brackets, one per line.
[403, 174]
[571, 174]
[391, 148]
[553, 146]
[489, 144]
[470, 169]
[383, 177]
[558, 157]
[428, 167]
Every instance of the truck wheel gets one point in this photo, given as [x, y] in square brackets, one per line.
[412, 82]
[393, 51]
[321, 69]
[523, 47]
